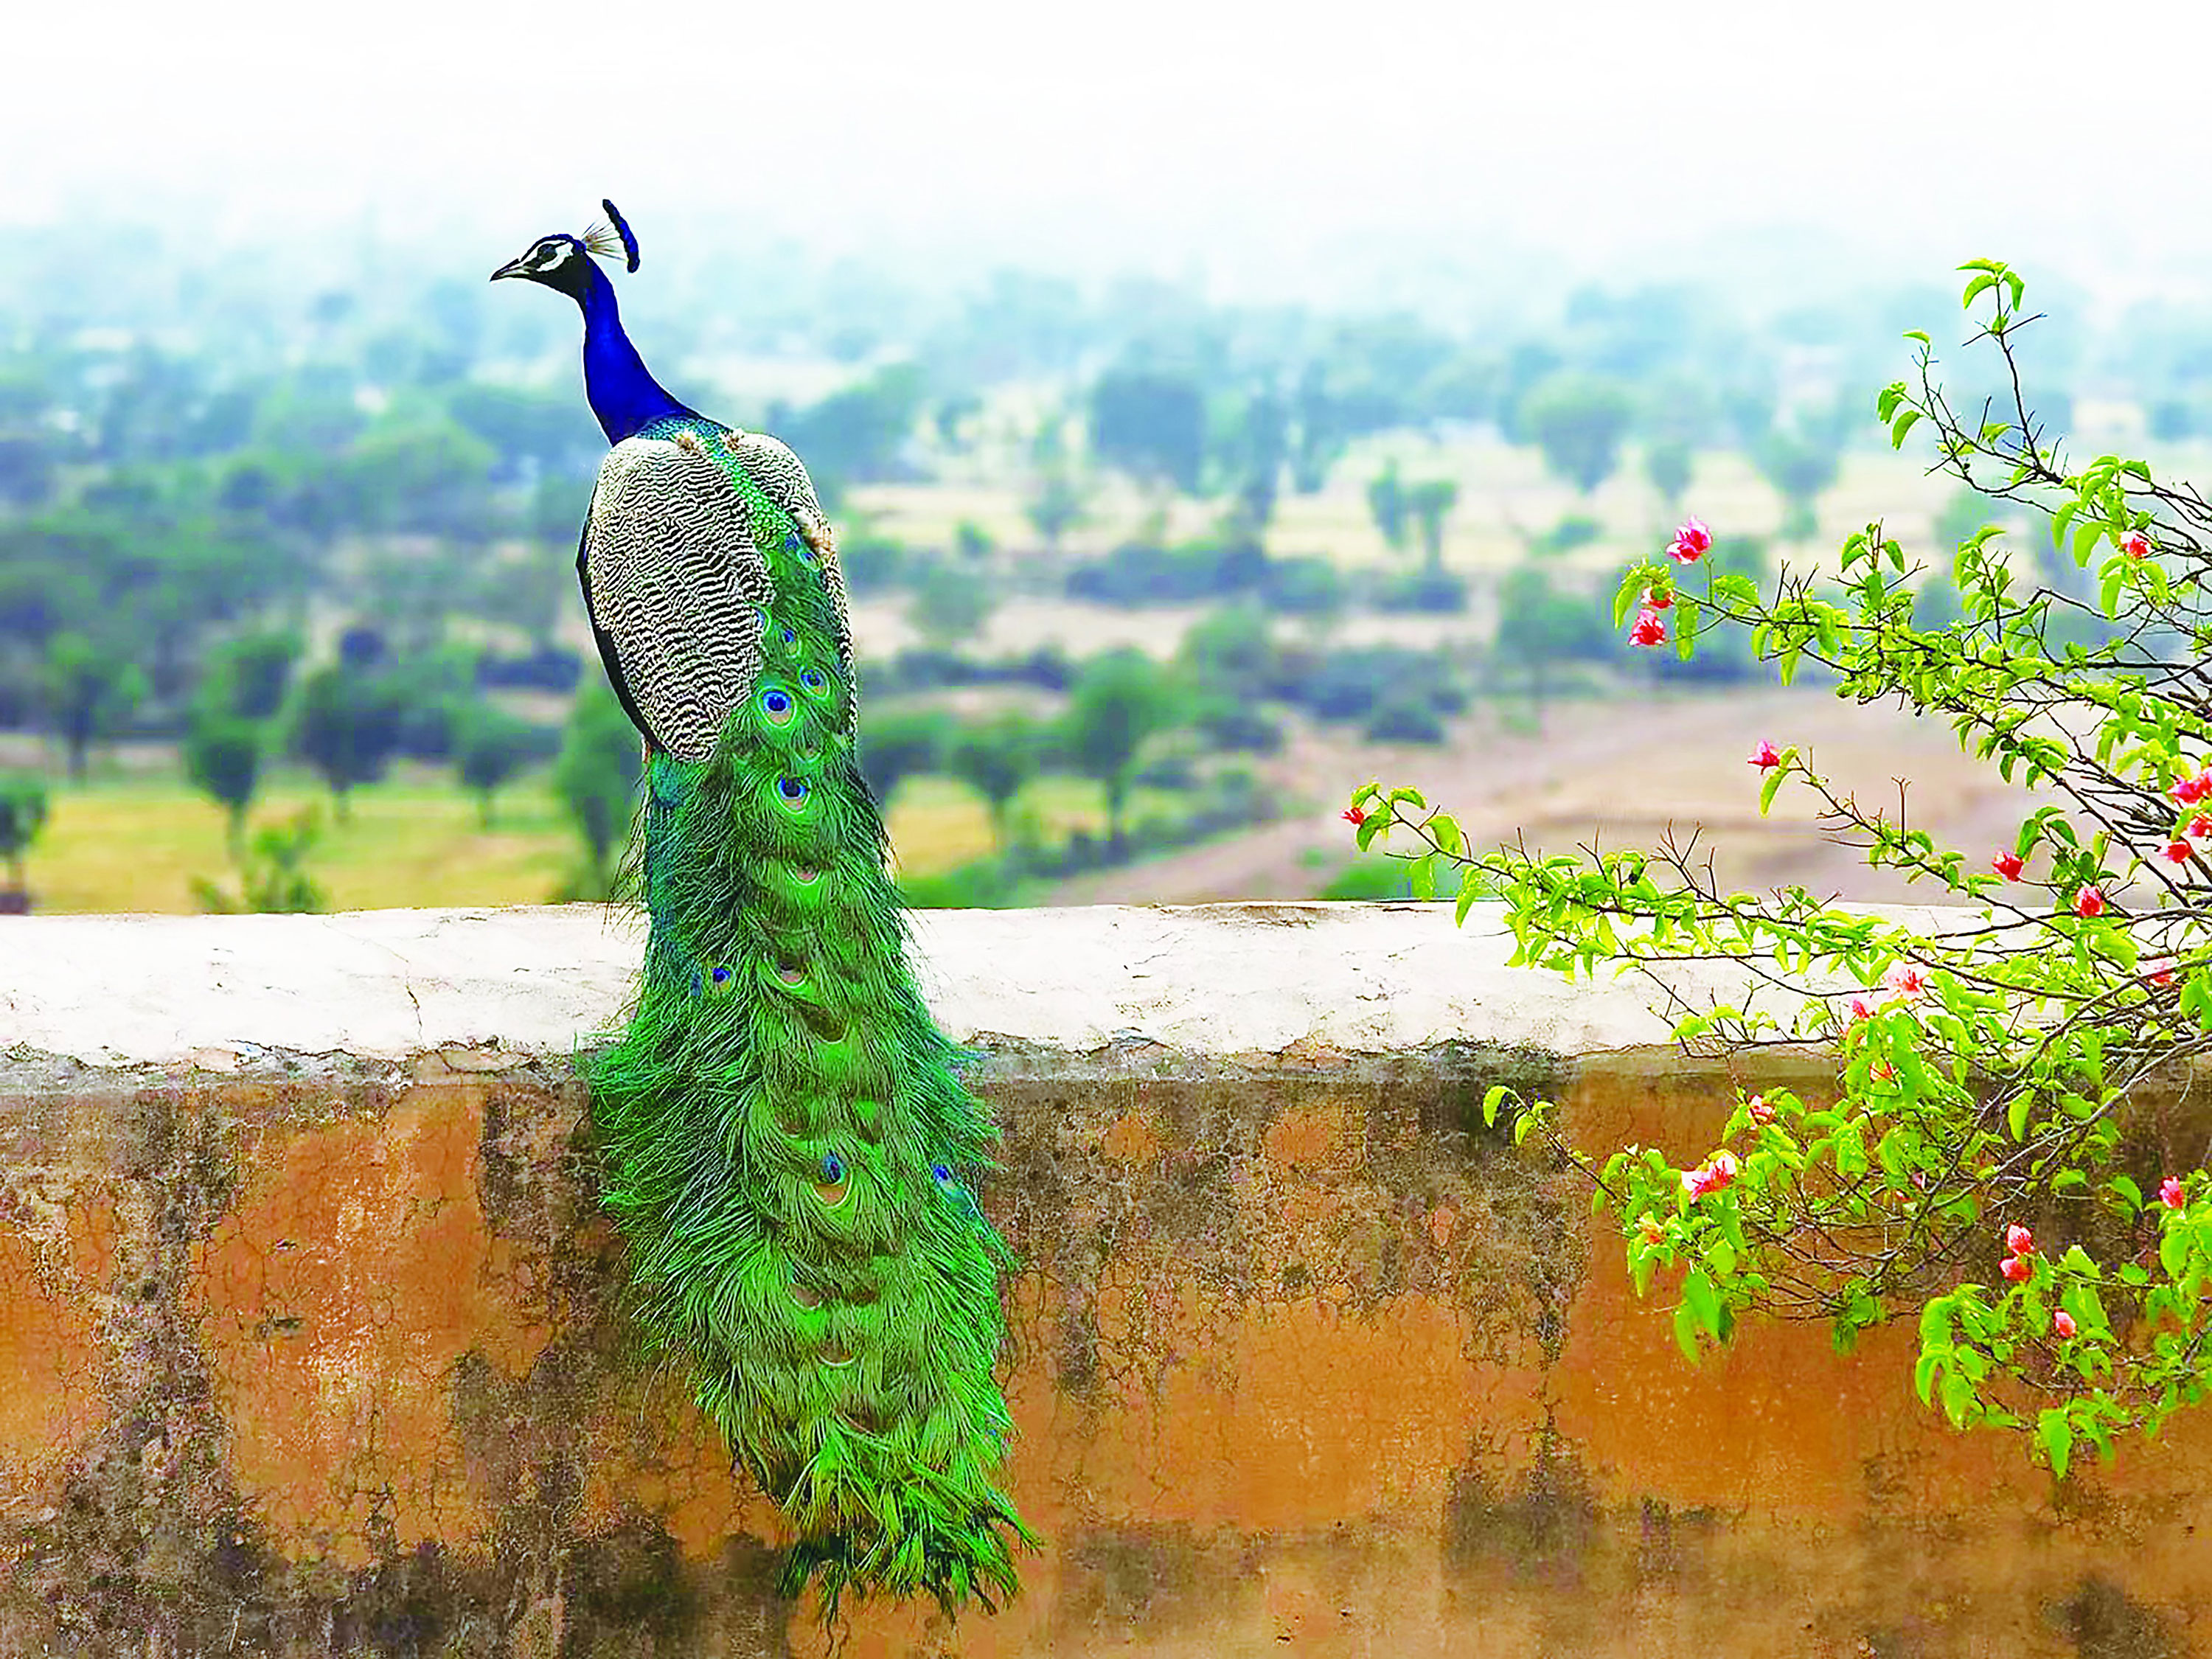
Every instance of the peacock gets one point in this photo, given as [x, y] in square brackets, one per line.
[788, 1147]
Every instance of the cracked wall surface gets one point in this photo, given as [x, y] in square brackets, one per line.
[322, 1350]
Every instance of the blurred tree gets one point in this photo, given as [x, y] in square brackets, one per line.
[1055, 500]
[28, 467]
[1122, 699]
[596, 776]
[1388, 506]
[90, 691]
[900, 743]
[950, 605]
[346, 725]
[272, 876]
[996, 760]
[1151, 424]
[955, 418]
[1430, 504]
[428, 477]
[854, 435]
[1255, 448]
[531, 433]
[1800, 464]
[1666, 463]
[248, 676]
[1318, 440]
[23, 804]
[1539, 628]
[489, 747]
[972, 542]
[1579, 421]
[1231, 653]
[223, 757]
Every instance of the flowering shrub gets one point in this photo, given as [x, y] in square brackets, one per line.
[1984, 1067]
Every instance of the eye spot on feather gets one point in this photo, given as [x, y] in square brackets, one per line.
[833, 1188]
[815, 681]
[793, 791]
[943, 1175]
[791, 973]
[837, 1359]
[805, 1295]
[806, 876]
[721, 976]
[775, 703]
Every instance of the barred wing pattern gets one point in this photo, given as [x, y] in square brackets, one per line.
[675, 583]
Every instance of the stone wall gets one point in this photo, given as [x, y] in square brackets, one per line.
[310, 1340]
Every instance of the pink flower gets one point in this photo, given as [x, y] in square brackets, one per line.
[2062, 1323]
[2089, 903]
[1649, 629]
[1649, 1227]
[2007, 865]
[1860, 1010]
[2135, 545]
[2018, 1240]
[1658, 598]
[1882, 1071]
[1353, 816]
[1715, 1175]
[2175, 852]
[1691, 541]
[2190, 790]
[1906, 981]
[1759, 1109]
[2169, 1193]
[2199, 827]
[2161, 973]
[2017, 1268]
[1765, 758]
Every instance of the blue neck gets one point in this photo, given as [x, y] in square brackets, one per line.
[622, 393]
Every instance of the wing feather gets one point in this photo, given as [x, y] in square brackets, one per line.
[675, 587]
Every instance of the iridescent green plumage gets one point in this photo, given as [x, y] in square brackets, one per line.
[787, 1139]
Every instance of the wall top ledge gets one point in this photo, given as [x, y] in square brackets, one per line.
[1219, 980]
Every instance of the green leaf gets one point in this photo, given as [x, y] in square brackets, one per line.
[1491, 1102]
[1702, 1301]
[1685, 1332]
[1903, 424]
[2016, 1115]
[1924, 1375]
[2053, 1434]
[1769, 786]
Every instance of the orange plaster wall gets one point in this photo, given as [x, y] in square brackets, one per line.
[1288, 1373]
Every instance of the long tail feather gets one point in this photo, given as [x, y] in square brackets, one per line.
[789, 1147]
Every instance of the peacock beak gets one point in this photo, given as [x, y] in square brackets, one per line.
[512, 268]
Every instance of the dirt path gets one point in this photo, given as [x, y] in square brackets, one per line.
[1622, 772]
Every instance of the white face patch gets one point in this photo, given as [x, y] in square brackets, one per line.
[550, 256]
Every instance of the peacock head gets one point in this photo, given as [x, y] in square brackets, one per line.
[560, 261]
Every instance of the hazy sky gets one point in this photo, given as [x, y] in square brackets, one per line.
[1272, 147]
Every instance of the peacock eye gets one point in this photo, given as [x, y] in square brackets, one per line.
[941, 1173]
[833, 1169]
[776, 705]
[812, 680]
[793, 790]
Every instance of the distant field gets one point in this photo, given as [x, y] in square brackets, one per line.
[131, 840]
